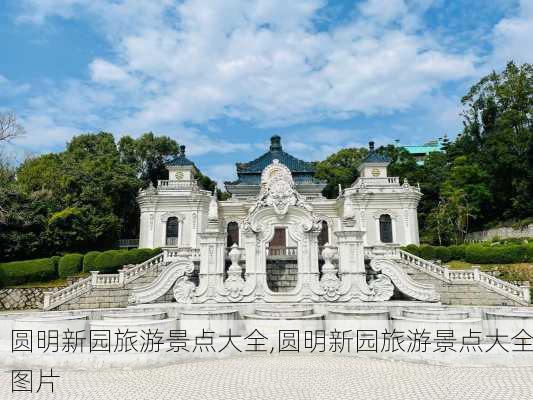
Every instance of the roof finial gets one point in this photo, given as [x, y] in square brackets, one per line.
[275, 143]
[371, 145]
[182, 150]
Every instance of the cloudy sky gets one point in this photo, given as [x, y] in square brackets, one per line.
[222, 76]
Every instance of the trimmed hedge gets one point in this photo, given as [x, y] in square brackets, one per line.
[112, 260]
[70, 264]
[21, 272]
[46, 269]
[476, 253]
[89, 261]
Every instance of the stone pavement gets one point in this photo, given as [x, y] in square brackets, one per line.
[288, 377]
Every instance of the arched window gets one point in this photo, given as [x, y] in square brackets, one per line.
[172, 231]
[232, 234]
[323, 236]
[385, 228]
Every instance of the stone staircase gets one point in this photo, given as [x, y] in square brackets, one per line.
[466, 287]
[53, 300]
[466, 278]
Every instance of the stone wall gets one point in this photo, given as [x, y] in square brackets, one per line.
[461, 293]
[502, 233]
[282, 275]
[22, 298]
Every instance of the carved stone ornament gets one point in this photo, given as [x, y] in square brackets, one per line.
[381, 288]
[213, 209]
[234, 284]
[330, 282]
[184, 290]
[278, 191]
[349, 213]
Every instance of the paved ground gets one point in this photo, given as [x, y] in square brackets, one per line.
[289, 377]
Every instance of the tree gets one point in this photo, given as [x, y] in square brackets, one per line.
[9, 127]
[147, 155]
[340, 168]
[498, 135]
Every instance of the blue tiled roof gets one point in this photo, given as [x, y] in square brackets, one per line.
[275, 152]
[180, 159]
[374, 157]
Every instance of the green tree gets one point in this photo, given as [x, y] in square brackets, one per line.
[147, 155]
[340, 168]
[498, 135]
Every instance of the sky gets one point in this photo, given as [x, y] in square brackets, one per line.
[222, 76]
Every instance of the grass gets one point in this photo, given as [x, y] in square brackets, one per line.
[50, 284]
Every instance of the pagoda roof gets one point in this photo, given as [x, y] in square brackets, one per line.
[180, 159]
[375, 157]
[275, 153]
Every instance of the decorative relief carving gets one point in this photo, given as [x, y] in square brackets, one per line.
[167, 215]
[381, 288]
[212, 214]
[330, 282]
[403, 282]
[278, 191]
[184, 290]
[234, 284]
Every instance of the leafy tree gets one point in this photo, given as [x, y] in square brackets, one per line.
[147, 155]
[498, 135]
[340, 169]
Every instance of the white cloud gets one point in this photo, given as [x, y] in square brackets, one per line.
[103, 71]
[260, 61]
[176, 64]
[513, 37]
[11, 89]
[384, 11]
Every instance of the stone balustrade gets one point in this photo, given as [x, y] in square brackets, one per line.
[282, 251]
[518, 293]
[173, 253]
[97, 280]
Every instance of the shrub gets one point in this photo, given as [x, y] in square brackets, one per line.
[413, 249]
[70, 264]
[529, 253]
[55, 260]
[457, 252]
[501, 254]
[442, 253]
[105, 262]
[427, 252]
[20, 272]
[89, 261]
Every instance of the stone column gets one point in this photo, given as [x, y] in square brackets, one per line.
[212, 261]
[352, 261]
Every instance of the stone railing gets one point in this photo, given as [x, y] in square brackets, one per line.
[176, 252]
[54, 299]
[128, 243]
[133, 272]
[383, 181]
[517, 293]
[382, 251]
[177, 185]
[282, 251]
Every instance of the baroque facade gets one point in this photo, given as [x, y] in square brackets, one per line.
[277, 238]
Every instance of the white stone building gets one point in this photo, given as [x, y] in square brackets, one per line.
[176, 212]
[278, 240]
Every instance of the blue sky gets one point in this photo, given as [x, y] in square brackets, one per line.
[223, 76]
